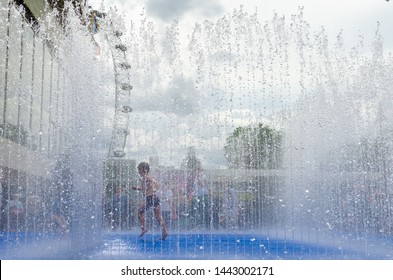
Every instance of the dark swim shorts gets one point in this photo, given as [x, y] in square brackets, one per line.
[151, 200]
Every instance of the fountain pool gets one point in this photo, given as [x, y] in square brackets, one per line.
[267, 140]
[201, 246]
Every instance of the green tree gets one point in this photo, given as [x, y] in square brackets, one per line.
[257, 147]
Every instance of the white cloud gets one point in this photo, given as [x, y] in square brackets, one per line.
[171, 112]
[168, 10]
[179, 97]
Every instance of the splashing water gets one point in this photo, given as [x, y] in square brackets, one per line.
[302, 123]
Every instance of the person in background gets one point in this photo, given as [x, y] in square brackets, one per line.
[120, 209]
[1, 191]
[148, 187]
[168, 204]
[62, 187]
[230, 207]
[35, 211]
[1, 198]
[59, 223]
[200, 202]
[15, 210]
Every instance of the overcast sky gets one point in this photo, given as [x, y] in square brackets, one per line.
[174, 113]
[351, 16]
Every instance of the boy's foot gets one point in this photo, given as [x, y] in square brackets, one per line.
[164, 235]
[142, 232]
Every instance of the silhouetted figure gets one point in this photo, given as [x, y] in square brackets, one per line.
[35, 212]
[200, 202]
[120, 209]
[61, 191]
[15, 211]
[230, 208]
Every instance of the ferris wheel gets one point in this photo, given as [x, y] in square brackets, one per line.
[110, 25]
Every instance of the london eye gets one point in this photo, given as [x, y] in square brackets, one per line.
[110, 28]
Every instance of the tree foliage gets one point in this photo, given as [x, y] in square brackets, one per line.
[257, 147]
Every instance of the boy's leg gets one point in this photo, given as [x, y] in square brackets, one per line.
[160, 220]
[141, 218]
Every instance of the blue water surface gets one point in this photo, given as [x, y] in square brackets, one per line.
[189, 246]
[218, 246]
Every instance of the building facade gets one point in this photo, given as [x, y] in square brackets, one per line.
[34, 107]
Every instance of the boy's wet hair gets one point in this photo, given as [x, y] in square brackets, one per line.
[144, 166]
